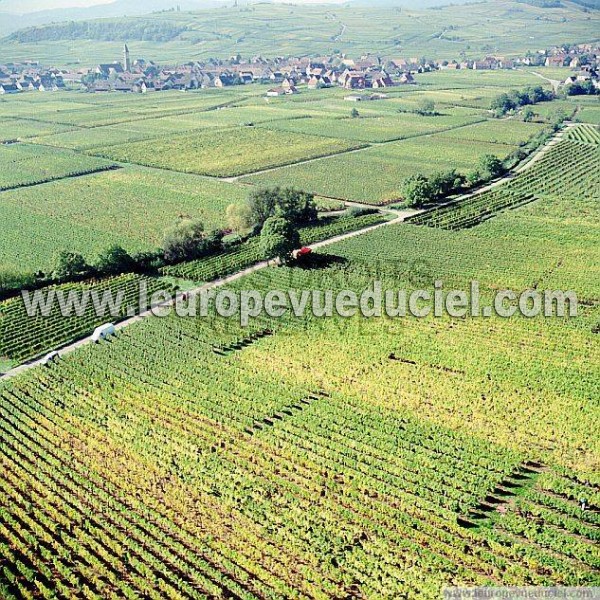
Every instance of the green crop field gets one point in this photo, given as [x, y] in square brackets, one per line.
[131, 207]
[25, 165]
[227, 152]
[20, 129]
[375, 175]
[371, 129]
[511, 132]
[272, 461]
[589, 114]
[84, 139]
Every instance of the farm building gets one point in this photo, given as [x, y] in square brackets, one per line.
[281, 91]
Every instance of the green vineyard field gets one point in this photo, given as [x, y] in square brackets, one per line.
[23, 337]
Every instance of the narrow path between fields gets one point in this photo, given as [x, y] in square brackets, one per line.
[555, 83]
[399, 217]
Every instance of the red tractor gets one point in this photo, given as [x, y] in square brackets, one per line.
[302, 253]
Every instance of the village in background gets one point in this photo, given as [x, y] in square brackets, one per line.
[285, 74]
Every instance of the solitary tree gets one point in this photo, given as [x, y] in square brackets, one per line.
[239, 217]
[491, 165]
[184, 241]
[416, 190]
[279, 238]
[115, 261]
[426, 108]
[262, 204]
[528, 115]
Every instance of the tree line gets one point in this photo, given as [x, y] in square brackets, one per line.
[107, 31]
[507, 102]
[274, 214]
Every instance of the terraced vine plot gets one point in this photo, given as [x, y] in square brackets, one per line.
[471, 212]
[587, 134]
[566, 170]
[25, 165]
[23, 337]
[189, 471]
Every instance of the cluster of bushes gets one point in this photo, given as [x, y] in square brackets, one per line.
[582, 88]
[277, 213]
[419, 190]
[507, 102]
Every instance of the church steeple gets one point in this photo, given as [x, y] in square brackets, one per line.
[126, 59]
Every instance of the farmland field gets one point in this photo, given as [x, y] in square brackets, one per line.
[375, 175]
[303, 457]
[22, 338]
[510, 132]
[20, 129]
[590, 114]
[24, 165]
[132, 207]
[227, 152]
[371, 129]
[211, 450]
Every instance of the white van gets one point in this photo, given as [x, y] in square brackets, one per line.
[50, 358]
[102, 332]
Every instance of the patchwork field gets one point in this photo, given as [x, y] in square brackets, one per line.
[225, 133]
[25, 165]
[511, 132]
[375, 175]
[589, 114]
[417, 461]
[227, 152]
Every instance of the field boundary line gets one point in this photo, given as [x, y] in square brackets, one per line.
[366, 146]
[21, 186]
